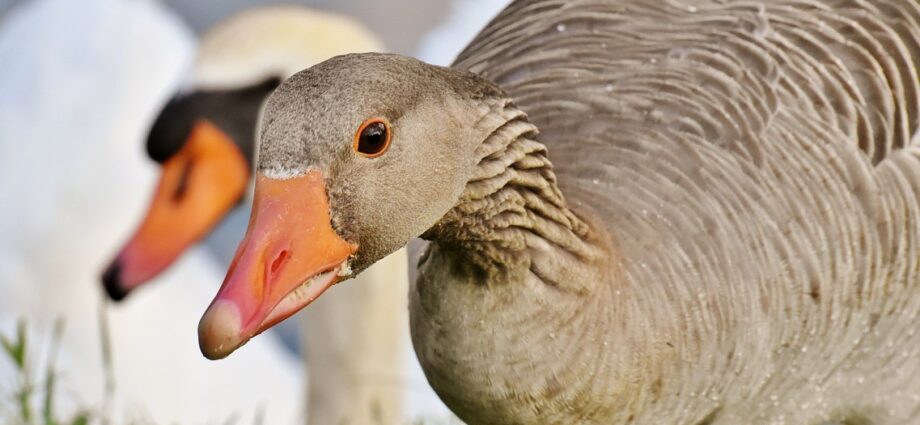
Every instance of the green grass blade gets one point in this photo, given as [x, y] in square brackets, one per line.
[80, 420]
[17, 352]
[48, 408]
[16, 349]
[23, 396]
[51, 373]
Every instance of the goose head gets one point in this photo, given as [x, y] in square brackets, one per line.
[204, 138]
[358, 155]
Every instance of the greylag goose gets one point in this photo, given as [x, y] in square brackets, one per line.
[203, 140]
[648, 212]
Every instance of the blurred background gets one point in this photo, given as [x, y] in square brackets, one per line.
[81, 82]
[401, 24]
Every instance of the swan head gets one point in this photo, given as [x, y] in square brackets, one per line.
[358, 155]
[204, 138]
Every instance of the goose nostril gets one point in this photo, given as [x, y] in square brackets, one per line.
[279, 261]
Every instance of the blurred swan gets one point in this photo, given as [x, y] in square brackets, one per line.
[204, 140]
[79, 85]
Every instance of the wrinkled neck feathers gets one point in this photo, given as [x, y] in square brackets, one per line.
[511, 212]
[511, 279]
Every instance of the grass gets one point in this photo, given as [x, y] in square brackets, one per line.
[32, 401]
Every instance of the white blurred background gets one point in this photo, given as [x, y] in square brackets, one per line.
[401, 24]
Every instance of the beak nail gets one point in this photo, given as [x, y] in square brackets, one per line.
[111, 280]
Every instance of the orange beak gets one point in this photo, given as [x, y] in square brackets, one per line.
[197, 187]
[290, 255]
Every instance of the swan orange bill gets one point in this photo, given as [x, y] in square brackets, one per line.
[197, 186]
[289, 257]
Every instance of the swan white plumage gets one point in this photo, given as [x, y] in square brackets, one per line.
[79, 84]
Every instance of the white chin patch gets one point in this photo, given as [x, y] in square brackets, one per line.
[345, 269]
[282, 173]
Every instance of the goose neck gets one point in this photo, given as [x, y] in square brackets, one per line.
[511, 218]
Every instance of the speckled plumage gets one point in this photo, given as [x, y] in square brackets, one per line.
[739, 232]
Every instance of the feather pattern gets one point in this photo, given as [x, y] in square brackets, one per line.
[756, 168]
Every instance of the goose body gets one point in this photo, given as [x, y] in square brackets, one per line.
[647, 212]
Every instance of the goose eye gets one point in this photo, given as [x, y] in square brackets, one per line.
[373, 137]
